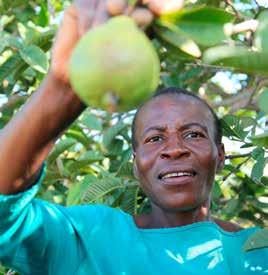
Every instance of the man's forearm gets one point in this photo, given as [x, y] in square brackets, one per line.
[27, 139]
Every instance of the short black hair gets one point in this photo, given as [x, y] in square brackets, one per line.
[177, 91]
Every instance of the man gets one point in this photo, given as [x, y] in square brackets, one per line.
[176, 154]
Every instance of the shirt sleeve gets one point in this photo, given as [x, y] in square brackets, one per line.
[34, 233]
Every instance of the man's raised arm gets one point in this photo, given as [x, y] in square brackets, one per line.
[28, 138]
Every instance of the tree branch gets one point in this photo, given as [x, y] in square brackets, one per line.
[230, 4]
[14, 99]
[248, 25]
[238, 156]
[242, 99]
[235, 169]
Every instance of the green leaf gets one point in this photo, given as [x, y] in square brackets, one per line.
[43, 17]
[12, 65]
[260, 140]
[27, 34]
[35, 57]
[5, 20]
[100, 188]
[257, 153]
[263, 101]
[264, 181]
[257, 170]
[261, 34]
[238, 58]
[60, 147]
[91, 121]
[78, 188]
[233, 127]
[77, 133]
[216, 191]
[126, 170]
[179, 39]
[91, 156]
[126, 155]
[205, 25]
[84, 160]
[112, 132]
[129, 200]
[257, 240]
[116, 147]
[231, 207]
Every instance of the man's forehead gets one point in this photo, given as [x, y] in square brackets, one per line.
[182, 105]
[171, 109]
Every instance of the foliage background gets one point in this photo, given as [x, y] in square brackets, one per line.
[212, 47]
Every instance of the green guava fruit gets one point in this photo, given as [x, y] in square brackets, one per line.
[115, 59]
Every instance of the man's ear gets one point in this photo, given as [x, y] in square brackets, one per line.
[221, 157]
[135, 169]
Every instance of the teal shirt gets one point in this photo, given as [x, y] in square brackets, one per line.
[37, 237]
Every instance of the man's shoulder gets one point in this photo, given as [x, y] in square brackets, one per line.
[94, 210]
[227, 226]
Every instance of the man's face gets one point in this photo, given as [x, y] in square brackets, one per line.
[176, 157]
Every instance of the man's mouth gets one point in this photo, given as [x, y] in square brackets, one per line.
[176, 174]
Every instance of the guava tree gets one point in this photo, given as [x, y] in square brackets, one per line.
[217, 49]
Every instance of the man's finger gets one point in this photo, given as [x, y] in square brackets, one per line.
[86, 11]
[65, 43]
[101, 14]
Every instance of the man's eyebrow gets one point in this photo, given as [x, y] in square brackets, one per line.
[154, 128]
[185, 126]
[194, 124]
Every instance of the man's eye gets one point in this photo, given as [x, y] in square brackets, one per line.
[194, 135]
[154, 139]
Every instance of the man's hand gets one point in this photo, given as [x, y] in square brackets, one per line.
[81, 16]
[159, 7]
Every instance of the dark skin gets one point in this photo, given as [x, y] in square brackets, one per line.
[54, 105]
[180, 140]
[50, 120]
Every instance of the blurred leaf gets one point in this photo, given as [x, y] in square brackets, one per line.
[263, 101]
[257, 153]
[233, 127]
[261, 34]
[257, 170]
[43, 17]
[260, 140]
[231, 207]
[84, 160]
[28, 34]
[205, 25]
[126, 155]
[264, 180]
[129, 200]
[78, 188]
[112, 132]
[237, 57]
[216, 191]
[91, 121]
[77, 133]
[35, 57]
[60, 147]
[116, 147]
[11, 66]
[101, 187]
[126, 170]
[178, 38]
[257, 240]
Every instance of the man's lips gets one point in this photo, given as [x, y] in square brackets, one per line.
[176, 173]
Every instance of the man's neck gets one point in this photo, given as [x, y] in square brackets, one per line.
[160, 218]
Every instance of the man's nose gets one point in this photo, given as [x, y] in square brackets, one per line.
[174, 149]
